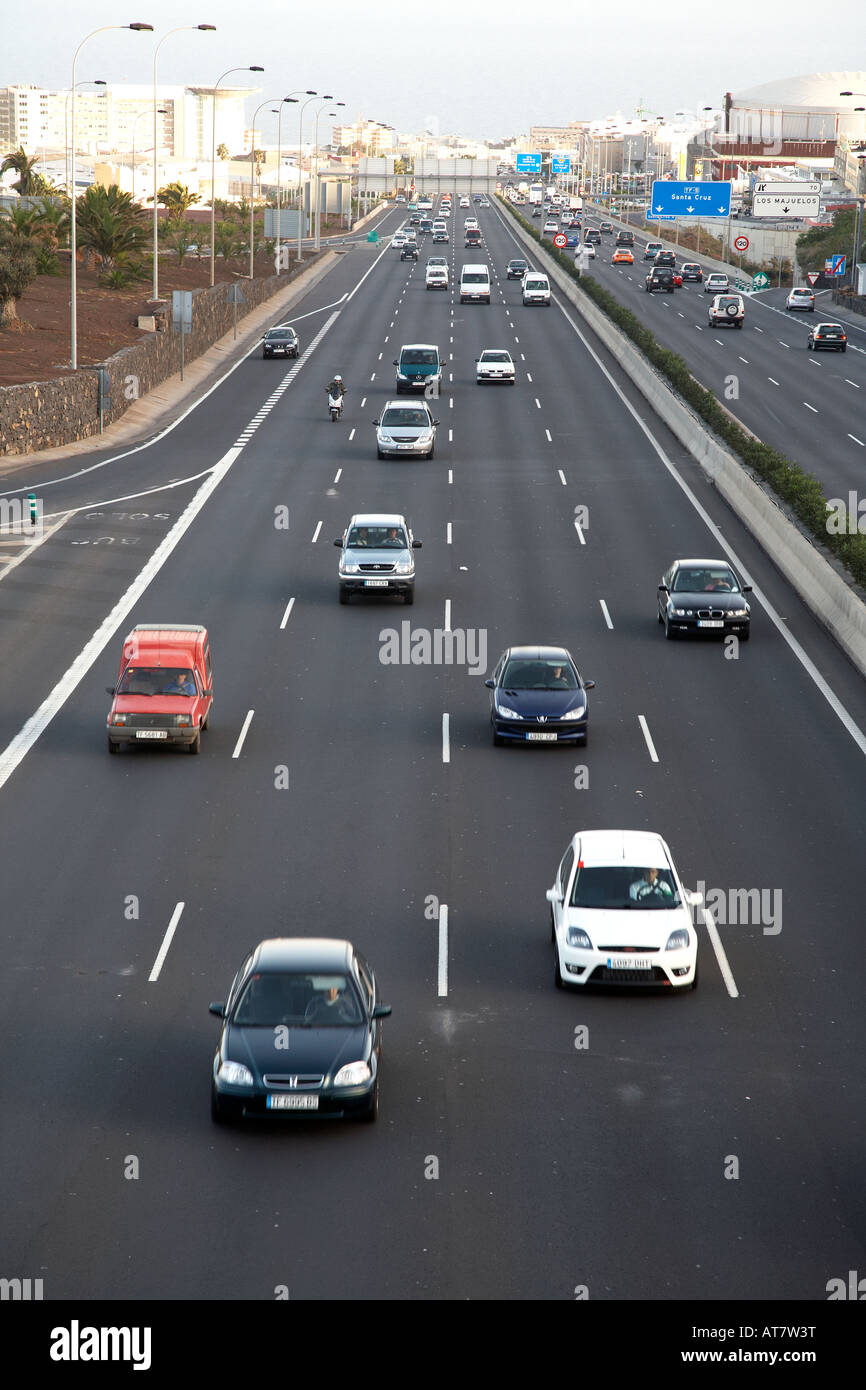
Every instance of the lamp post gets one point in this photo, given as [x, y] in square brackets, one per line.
[253, 180]
[96, 82]
[858, 220]
[253, 67]
[155, 168]
[312, 97]
[318, 241]
[291, 99]
[160, 112]
[314, 205]
[73, 304]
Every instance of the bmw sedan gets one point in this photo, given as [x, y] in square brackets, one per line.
[620, 914]
[703, 596]
[301, 1034]
[538, 696]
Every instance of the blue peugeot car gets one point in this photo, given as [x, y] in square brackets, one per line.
[539, 696]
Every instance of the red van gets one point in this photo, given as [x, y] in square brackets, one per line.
[164, 691]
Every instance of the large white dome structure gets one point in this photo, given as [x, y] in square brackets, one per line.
[799, 108]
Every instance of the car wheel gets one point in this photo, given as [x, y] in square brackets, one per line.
[432, 450]
[552, 927]
[344, 595]
[585, 739]
[557, 972]
[379, 454]
[370, 1114]
[669, 632]
[205, 724]
[195, 746]
[218, 1112]
[496, 738]
[809, 346]
[409, 597]
[844, 349]
[113, 747]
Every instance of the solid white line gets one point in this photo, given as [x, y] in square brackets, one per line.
[443, 950]
[810, 407]
[337, 475]
[446, 746]
[649, 743]
[448, 534]
[316, 533]
[715, 939]
[447, 615]
[243, 733]
[352, 435]
[20, 745]
[607, 617]
[166, 942]
[562, 477]
[856, 440]
[289, 606]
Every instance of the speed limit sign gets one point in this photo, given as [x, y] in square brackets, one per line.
[560, 240]
[741, 243]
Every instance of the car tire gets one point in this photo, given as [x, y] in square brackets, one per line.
[432, 451]
[113, 747]
[379, 454]
[496, 738]
[409, 597]
[557, 971]
[810, 347]
[195, 746]
[344, 594]
[205, 724]
[370, 1114]
[218, 1113]
[669, 632]
[739, 323]
[844, 349]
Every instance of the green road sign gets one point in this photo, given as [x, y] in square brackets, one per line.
[373, 236]
[760, 281]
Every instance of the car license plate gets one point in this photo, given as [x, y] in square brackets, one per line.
[376, 583]
[542, 738]
[404, 446]
[151, 733]
[629, 963]
[293, 1102]
[710, 622]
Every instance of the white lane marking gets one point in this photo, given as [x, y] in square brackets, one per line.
[580, 536]
[446, 734]
[352, 435]
[289, 606]
[649, 743]
[856, 440]
[337, 475]
[450, 402]
[607, 617]
[448, 534]
[719, 341]
[47, 533]
[810, 407]
[745, 359]
[442, 984]
[528, 377]
[781, 344]
[380, 357]
[243, 733]
[562, 477]
[166, 942]
[538, 402]
[18, 748]
[450, 436]
[757, 329]
[373, 377]
[522, 357]
[549, 436]
[773, 379]
[447, 615]
[316, 533]
[716, 942]
[517, 340]
[852, 383]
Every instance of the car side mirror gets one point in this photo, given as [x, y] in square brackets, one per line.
[747, 588]
[381, 1010]
[553, 895]
[339, 543]
[589, 685]
[111, 690]
[395, 361]
[375, 422]
[218, 1010]
[693, 899]
[663, 589]
[491, 684]
[416, 545]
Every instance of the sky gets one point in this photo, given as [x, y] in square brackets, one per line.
[487, 72]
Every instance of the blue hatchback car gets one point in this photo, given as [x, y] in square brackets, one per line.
[539, 696]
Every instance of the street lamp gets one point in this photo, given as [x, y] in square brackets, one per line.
[96, 82]
[314, 206]
[73, 306]
[311, 96]
[253, 67]
[253, 179]
[160, 112]
[291, 99]
[318, 241]
[155, 168]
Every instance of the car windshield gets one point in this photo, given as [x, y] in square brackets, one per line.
[405, 415]
[614, 887]
[522, 673]
[299, 1000]
[280, 335]
[419, 357]
[495, 357]
[157, 680]
[474, 277]
[377, 538]
[717, 579]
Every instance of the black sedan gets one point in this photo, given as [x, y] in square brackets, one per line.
[301, 1034]
[538, 697]
[703, 596]
[827, 335]
[409, 252]
[280, 342]
[516, 268]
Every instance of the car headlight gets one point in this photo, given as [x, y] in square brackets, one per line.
[182, 721]
[505, 712]
[385, 439]
[235, 1074]
[576, 713]
[575, 936]
[350, 568]
[678, 940]
[404, 567]
[353, 1074]
[119, 718]
[679, 612]
[738, 613]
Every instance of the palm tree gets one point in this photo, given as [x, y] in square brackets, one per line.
[110, 224]
[18, 270]
[182, 238]
[176, 198]
[52, 226]
[222, 151]
[28, 181]
[20, 222]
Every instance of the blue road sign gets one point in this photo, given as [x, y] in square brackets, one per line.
[837, 265]
[710, 199]
[527, 164]
[560, 165]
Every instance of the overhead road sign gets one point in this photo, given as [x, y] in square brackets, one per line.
[561, 165]
[789, 200]
[527, 164]
[675, 198]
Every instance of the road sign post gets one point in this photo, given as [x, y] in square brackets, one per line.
[181, 317]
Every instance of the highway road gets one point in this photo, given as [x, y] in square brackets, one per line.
[704, 1147]
[810, 405]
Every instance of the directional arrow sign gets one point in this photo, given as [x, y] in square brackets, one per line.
[527, 164]
[560, 165]
[673, 198]
[787, 202]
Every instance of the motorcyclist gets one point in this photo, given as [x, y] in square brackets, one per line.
[336, 387]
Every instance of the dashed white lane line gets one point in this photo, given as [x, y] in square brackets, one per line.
[380, 357]
[337, 475]
[538, 402]
[549, 436]
[373, 377]
[781, 344]
[716, 943]
[289, 606]
[243, 733]
[450, 402]
[852, 383]
[579, 529]
[857, 441]
[773, 379]
[352, 435]
[450, 436]
[442, 981]
[446, 738]
[648, 736]
[316, 533]
[745, 359]
[757, 329]
[562, 477]
[166, 942]
[448, 533]
[450, 477]
[363, 401]
[447, 615]
[607, 617]
[528, 377]
[810, 407]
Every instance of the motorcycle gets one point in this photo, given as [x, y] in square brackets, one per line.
[335, 404]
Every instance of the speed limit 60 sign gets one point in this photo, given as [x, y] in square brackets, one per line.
[741, 243]
[560, 240]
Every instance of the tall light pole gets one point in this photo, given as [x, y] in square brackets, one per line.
[155, 162]
[858, 219]
[161, 112]
[291, 99]
[253, 181]
[326, 97]
[253, 67]
[312, 97]
[73, 301]
[95, 82]
[318, 241]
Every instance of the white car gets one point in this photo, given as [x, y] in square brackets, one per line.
[470, 224]
[727, 308]
[716, 284]
[464, 201]
[436, 277]
[494, 364]
[801, 299]
[398, 240]
[620, 914]
[550, 228]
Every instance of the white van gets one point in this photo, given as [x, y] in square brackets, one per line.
[536, 288]
[475, 283]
